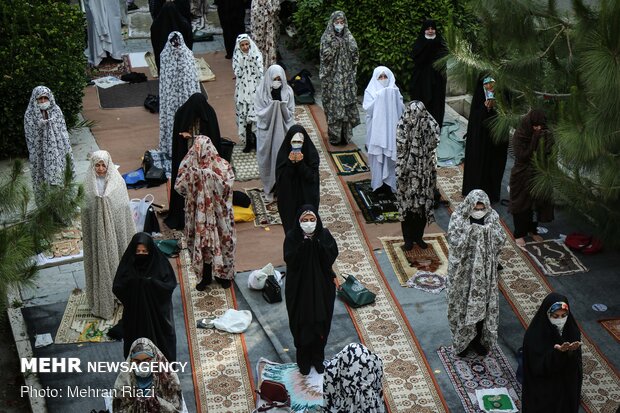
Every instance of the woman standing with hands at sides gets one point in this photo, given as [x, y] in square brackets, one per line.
[297, 175]
[248, 67]
[275, 111]
[265, 28]
[417, 137]
[144, 283]
[107, 228]
[205, 180]
[552, 369]
[338, 74]
[47, 140]
[383, 104]
[310, 252]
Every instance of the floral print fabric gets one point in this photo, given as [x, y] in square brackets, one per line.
[417, 137]
[47, 140]
[248, 69]
[107, 228]
[178, 80]
[205, 180]
[353, 381]
[472, 272]
[264, 17]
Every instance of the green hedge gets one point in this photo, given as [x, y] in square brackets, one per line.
[384, 30]
[41, 43]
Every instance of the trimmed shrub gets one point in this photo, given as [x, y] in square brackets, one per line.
[384, 30]
[41, 43]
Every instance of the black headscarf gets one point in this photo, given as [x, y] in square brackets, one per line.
[145, 289]
[551, 379]
[296, 183]
[196, 107]
[171, 17]
[428, 85]
[310, 291]
[485, 160]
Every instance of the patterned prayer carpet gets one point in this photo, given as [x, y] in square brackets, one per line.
[66, 247]
[205, 74]
[409, 385]
[613, 326]
[473, 372]
[377, 208]
[407, 263]
[266, 214]
[554, 258]
[525, 288]
[349, 162]
[78, 325]
[221, 373]
[244, 164]
[109, 67]
[306, 392]
[428, 281]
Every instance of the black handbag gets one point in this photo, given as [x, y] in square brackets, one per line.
[155, 177]
[151, 103]
[272, 292]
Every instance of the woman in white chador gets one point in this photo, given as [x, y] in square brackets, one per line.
[178, 80]
[248, 67]
[107, 228]
[383, 104]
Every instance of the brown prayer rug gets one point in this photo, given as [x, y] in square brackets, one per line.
[266, 213]
[554, 258]
[525, 288]
[79, 325]
[612, 325]
[109, 67]
[407, 263]
[66, 247]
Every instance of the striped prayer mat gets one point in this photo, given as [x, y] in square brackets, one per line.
[525, 287]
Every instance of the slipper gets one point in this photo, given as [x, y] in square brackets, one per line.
[204, 323]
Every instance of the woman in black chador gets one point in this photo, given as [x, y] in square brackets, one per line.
[428, 85]
[552, 370]
[170, 17]
[232, 19]
[195, 117]
[144, 284]
[485, 160]
[297, 175]
[309, 252]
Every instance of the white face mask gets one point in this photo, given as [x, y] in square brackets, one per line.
[338, 27]
[308, 227]
[276, 84]
[297, 145]
[384, 82]
[430, 37]
[558, 322]
[142, 373]
[44, 105]
[478, 214]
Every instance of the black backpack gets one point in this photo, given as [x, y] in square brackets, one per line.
[303, 88]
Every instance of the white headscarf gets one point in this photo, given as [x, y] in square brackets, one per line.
[47, 140]
[178, 80]
[263, 92]
[107, 228]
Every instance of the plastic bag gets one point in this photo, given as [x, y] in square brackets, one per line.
[139, 209]
[233, 321]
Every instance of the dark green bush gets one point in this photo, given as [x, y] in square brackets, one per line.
[41, 43]
[384, 30]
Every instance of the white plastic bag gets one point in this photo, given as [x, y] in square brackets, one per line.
[233, 321]
[139, 208]
[257, 278]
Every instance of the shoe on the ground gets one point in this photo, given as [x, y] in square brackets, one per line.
[408, 246]
[223, 282]
[479, 348]
[422, 244]
[305, 370]
[204, 282]
[319, 367]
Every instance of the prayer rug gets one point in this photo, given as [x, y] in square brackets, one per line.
[110, 67]
[139, 23]
[66, 247]
[79, 325]
[306, 392]
[613, 326]
[205, 74]
[127, 95]
[554, 258]
[221, 376]
[244, 164]
[427, 281]
[473, 372]
[377, 208]
[525, 288]
[407, 264]
[349, 162]
[266, 213]
[408, 385]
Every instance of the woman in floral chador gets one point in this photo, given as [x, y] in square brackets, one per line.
[475, 238]
[265, 28]
[205, 180]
